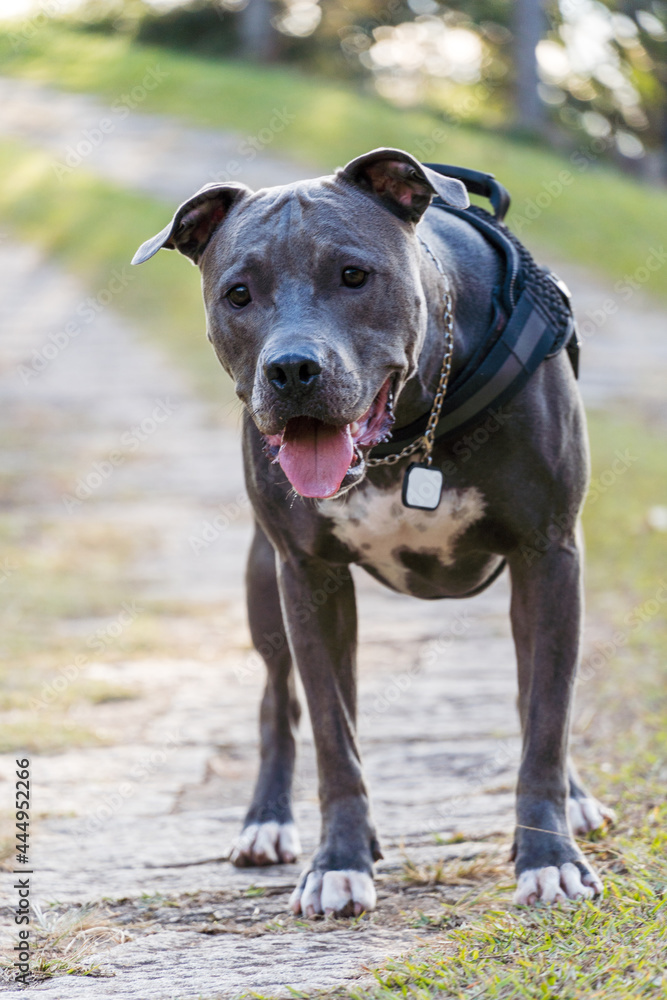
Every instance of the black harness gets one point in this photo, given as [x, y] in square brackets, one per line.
[532, 321]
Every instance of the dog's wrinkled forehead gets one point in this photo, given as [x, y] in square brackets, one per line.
[387, 179]
[293, 221]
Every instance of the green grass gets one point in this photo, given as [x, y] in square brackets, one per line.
[622, 547]
[601, 218]
[626, 568]
[590, 951]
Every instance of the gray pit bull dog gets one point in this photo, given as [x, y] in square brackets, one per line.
[324, 302]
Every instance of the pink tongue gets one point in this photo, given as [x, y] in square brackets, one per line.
[315, 456]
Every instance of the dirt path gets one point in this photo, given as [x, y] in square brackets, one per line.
[150, 153]
[138, 825]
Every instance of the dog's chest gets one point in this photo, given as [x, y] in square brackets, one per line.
[390, 538]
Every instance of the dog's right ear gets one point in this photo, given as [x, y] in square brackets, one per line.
[194, 223]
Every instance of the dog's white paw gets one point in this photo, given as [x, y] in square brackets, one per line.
[554, 885]
[588, 814]
[341, 894]
[269, 843]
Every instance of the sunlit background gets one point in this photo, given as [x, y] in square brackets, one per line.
[574, 68]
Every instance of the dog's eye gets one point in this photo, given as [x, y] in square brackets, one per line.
[239, 296]
[354, 277]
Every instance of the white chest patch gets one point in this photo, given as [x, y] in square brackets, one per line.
[377, 526]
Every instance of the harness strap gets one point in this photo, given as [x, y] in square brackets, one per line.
[500, 243]
[536, 329]
[479, 183]
[522, 346]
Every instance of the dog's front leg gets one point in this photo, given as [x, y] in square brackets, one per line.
[320, 614]
[546, 622]
[269, 835]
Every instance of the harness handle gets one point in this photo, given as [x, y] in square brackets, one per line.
[479, 183]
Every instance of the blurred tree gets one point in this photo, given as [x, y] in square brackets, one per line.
[589, 73]
[259, 40]
[196, 26]
[529, 26]
[651, 21]
[603, 70]
[199, 26]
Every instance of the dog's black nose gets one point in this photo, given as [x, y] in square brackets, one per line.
[292, 373]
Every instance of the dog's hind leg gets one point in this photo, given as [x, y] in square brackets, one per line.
[585, 812]
[269, 835]
[546, 621]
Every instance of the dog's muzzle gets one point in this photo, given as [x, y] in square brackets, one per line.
[321, 459]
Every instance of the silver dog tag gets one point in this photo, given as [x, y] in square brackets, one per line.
[422, 487]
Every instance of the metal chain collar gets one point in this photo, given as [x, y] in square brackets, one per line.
[425, 442]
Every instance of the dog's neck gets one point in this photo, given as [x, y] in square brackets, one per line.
[416, 397]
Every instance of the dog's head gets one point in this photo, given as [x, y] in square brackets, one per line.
[314, 304]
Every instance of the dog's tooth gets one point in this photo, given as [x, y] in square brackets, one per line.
[354, 428]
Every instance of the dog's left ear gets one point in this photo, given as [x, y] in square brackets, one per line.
[194, 222]
[403, 184]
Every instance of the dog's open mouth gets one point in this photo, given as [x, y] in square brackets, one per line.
[319, 458]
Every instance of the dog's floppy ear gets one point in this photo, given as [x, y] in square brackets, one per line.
[194, 223]
[403, 184]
